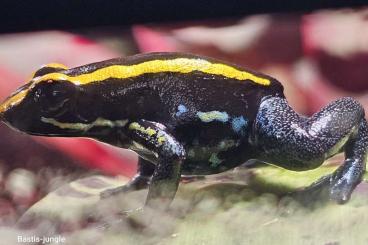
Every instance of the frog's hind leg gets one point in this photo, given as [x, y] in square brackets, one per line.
[140, 181]
[298, 143]
[351, 172]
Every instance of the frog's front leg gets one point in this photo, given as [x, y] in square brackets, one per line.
[140, 181]
[298, 143]
[169, 153]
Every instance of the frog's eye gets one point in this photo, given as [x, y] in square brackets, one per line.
[52, 96]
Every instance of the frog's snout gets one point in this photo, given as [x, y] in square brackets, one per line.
[13, 100]
[2, 110]
[4, 106]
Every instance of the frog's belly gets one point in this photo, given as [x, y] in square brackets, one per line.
[204, 159]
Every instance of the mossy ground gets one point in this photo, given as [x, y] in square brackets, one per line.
[239, 207]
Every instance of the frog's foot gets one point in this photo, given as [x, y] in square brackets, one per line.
[137, 218]
[137, 183]
[140, 181]
[345, 179]
[113, 192]
[143, 217]
[317, 192]
[133, 212]
[121, 218]
[337, 186]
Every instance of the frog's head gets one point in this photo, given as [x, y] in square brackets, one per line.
[46, 97]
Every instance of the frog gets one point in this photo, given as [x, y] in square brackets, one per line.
[189, 115]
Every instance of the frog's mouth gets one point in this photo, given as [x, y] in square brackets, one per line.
[41, 128]
[83, 128]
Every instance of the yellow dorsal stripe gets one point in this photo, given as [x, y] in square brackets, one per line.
[180, 65]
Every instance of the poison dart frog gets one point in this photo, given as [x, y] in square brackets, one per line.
[185, 114]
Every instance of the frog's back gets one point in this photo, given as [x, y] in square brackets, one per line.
[176, 88]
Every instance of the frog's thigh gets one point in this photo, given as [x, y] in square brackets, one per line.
[170, 155]
[302, 143]
[296, 142]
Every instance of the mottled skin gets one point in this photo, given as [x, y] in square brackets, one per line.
[194, 124]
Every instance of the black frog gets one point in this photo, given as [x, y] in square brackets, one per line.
[189, 115]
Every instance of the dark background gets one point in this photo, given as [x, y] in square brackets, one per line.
[20, 15]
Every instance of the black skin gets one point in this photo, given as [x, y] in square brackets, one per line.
[252, 122]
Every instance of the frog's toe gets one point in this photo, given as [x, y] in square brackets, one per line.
[133, 212]
[120, 218]
[106, 194]
[111, 192]
[340, 190]
[142, 217]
